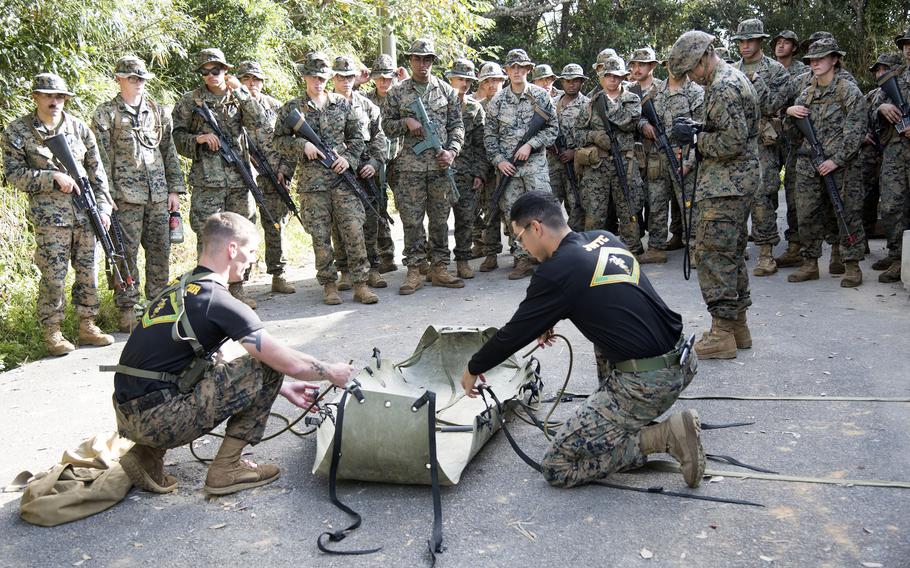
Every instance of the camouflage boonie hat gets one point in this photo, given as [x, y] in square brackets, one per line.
[724, 54]
[902, 39]
[542, 71]
[813, 38]
[643, 55]
[250, 68]
[491, 70]
[750, 29]
[572, 71]
[463, 68]
[50, 84]
[211, 55]
[315, 64]
[344, 66]
[422, 46]
[518, 57]
[786, 34]
[132, 66]
[383, 66]
[603, 56]
[614, 66]
[888, 60]
[821, 48]
[687, 50]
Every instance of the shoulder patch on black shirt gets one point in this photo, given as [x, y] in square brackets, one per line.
[615, 265]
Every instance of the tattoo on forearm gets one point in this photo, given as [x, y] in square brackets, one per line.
[255, 338]
[321, 371]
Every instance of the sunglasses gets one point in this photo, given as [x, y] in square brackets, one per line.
[215, 71]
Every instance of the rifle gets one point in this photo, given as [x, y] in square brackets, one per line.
[230, 156]
[560, 146]
[538, 121]
[889, 86]
[431, 140]
[84, 200]
[818, 156]
[619, 164]
[300, 127]
[650, 114]
[263, 166]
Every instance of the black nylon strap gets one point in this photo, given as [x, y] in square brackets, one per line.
[733, 461]
[434, 545]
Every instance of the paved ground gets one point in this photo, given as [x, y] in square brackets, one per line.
[812, 338]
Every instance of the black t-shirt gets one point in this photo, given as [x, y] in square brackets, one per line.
[596, 283]
[214, 315]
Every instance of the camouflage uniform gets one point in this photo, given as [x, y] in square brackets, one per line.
[482, 216]
[599, 182]
[216, 185]
[567, 113]
[508, 116]
[142, 167]
[63, 235]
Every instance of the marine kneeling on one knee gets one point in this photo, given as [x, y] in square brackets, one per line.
[174, 383]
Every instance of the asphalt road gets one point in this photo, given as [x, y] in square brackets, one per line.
[812, 338]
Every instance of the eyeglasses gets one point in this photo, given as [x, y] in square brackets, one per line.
[522, 232]
[135, 80]
[214, 71]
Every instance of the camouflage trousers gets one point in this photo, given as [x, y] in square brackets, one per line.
[720, 243]
[870, 165]
[603, 435]
[816, 215]
[206, 201]
[895, 194]
[146, 224]
[764, 210]
[321, 211]
[55, 249]
[559, 182]
[464, 211]
[791, 234]
[377, 237]
[529, 180]
[275, 259]
[482, 213]
[600, 188]
[419, 195]
[657, 189]
[241, 391]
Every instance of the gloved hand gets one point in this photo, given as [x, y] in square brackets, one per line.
[601, 139]
[684, 130]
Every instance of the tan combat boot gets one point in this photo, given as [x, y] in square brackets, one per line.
[281, 286]
[144, 466]
[524, 267]
[679, 436]
[477, 251]
[330, 295]
[719, 342]
[57, 345]
[893, 274]
[441, 277]
[412, 282]
[652, 256]
[766, 265]
[345, 283]
[741, 332]
[363, 294]
[808, 271]
[489, 264]
[853, 276]
[426, 272]
[388, 265]
[229, 474]
[836, 264]
[463, 269]
[91, 334]
[675, 243]
[790, 257]
[236, 290]
[375, 279]
[127, 320]
[883, 263]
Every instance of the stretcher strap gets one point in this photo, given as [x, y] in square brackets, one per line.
[434, 545]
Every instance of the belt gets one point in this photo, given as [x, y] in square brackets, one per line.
[665, 361]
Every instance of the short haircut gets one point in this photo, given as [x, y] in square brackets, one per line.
[539, 205]
[222, 228]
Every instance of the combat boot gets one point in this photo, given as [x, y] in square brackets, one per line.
[477, 251]
[127, 320]
[236, 290]
[836, 263]
[375, 279]
[388, 265]
[675, 243]
[412, 282]
[330, 295]
[441, 277]
[228, 473]
[281, 286]
[524, 267]
[718, 342]
[791, 256]
[882, 263]
[766, 265]
[489, 264]
[679, 436]
[345, 283]
[463, 269]
[741, 332]
[91, 334]
[893, 274]
[425, 271]
[808, 271]
[853, 276]
[144, 466]
[363, 294]
[652, 256]
[57, 345]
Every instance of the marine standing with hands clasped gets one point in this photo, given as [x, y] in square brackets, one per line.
[568, 105]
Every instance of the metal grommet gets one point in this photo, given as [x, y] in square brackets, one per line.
[413, 409]
[429, 466]
[388, 403]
